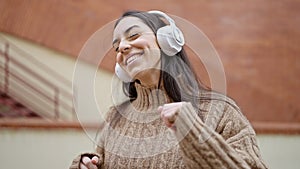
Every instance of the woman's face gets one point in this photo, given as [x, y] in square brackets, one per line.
[137, 50]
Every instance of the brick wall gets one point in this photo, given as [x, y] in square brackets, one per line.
[256, 40]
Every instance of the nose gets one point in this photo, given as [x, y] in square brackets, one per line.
[124, 46]
[124, 49]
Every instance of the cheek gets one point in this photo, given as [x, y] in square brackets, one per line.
[140, 43]
[153, 42]
[119, 58]
[146, 42]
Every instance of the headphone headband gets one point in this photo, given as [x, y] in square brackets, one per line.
[169, 19]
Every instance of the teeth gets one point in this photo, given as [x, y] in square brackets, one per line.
[131, 59]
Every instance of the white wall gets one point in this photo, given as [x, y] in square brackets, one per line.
[41, 149]
[65, 66]
[280, 151]
[55, 148]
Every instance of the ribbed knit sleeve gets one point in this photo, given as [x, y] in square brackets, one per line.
[227, 141]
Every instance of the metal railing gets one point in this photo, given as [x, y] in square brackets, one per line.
[34, 84]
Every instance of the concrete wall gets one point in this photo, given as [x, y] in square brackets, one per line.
[65, 66]
[55, 148]
[36, 149]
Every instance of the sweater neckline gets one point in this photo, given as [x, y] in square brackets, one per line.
[149, 97]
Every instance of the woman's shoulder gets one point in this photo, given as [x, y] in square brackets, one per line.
[215, 100]
[116, 110]
[221, 110]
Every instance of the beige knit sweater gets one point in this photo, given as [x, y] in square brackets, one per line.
[136, 137]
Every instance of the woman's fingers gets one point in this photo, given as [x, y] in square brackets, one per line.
[82, 166]
[88, 163]
[85, 160]
[169, 112]
[95, 160]
[171, 116]
[159, 109]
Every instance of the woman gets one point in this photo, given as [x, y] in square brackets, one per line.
[171, 120]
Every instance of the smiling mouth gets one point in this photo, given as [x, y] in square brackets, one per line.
[132, 58]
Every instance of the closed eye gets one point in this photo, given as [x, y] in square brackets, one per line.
[117, 49]
[133, 36]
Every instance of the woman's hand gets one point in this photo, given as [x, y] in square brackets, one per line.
[169, 112]
[88, 163]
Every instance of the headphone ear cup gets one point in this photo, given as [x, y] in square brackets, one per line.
[122, 74]
[170, 39]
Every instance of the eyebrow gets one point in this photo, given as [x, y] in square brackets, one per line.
[126, 31]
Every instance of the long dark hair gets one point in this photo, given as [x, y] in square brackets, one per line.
[179, 79]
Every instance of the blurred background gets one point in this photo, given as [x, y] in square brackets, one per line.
[257, 42]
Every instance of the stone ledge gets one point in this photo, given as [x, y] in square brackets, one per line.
[259, 127]
[276, 128]
[42, 124]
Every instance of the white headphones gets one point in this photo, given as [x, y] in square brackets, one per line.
[169, 38]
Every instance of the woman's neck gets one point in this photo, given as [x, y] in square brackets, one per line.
[149, 78]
